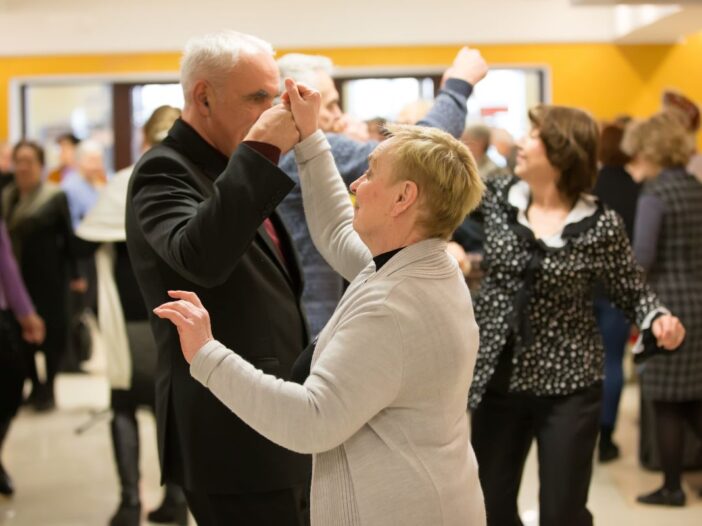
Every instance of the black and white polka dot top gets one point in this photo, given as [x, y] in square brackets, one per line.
[538, 293]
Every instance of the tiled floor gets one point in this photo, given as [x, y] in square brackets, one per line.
[68, 479]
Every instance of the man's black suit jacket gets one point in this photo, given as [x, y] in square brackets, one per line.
[194, 222]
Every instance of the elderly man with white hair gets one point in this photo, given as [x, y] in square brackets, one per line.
[323, 287]
[201, 216]
[83, 187]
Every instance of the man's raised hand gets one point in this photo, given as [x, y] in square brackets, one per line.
[469, 65]
[275, 126]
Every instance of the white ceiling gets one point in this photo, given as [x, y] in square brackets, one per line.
[102, 26]
[636, 2]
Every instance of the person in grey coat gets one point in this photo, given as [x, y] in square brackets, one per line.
[383, 409]
[324, 287]
[667, 235]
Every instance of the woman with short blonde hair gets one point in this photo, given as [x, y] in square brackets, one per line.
[444, 171]
[658, 142]
[667, 245]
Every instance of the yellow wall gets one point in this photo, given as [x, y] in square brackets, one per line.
[605, 79]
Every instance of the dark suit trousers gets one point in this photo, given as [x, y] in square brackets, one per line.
[12, 368]
[286, 507]
[565, 428]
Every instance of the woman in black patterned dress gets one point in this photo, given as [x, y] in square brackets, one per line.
[667, 245]
[540, 365]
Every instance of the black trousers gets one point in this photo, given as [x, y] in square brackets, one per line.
[12, 367]
[565, 429]
[286, 507]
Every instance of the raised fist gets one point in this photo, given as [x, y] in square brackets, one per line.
[469, 65]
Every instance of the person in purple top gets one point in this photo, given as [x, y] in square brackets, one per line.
[17, 315]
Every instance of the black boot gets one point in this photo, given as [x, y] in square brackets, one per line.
[6, 486]
[125, 442]
[664, 497]
[608, 450]
[173, 508]
[126, 515]
[42, 398]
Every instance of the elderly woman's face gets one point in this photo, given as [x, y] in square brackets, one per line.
[27, 169]
[375, 193]
[532, 161]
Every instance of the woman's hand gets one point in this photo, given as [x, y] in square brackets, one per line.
[190, 318]
[304, 103]
[33, 328]
[669, 332]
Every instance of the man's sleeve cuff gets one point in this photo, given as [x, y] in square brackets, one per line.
[269, 151]
[459, 87]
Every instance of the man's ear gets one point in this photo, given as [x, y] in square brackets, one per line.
[407, 195]
[202, 94]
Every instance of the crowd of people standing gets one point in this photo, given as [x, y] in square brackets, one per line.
[315, 358]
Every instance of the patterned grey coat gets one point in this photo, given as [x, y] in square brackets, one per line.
[668, 243]
[539, 292]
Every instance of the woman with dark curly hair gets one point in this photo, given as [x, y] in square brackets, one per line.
[667, 245]
[540, 364]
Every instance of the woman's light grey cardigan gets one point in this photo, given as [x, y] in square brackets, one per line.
[384, 408]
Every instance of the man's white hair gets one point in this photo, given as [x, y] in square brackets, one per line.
[303, 68]
[213, 56]
[89, 147]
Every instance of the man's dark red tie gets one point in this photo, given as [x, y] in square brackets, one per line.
[273, 234]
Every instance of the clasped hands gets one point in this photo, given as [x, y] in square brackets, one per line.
[291, 121]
